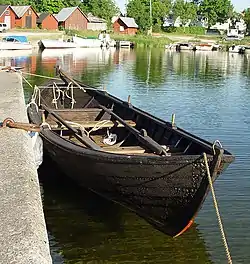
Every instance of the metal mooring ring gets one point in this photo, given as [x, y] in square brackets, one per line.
[6, 121]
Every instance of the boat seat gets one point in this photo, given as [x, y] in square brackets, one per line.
[124, 150]
[96, 124]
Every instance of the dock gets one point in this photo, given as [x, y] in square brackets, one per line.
[23, 235]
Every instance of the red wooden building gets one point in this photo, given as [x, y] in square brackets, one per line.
[7, 16]
[72, 18]
[47, 21]
[125, 25]
[26, 16]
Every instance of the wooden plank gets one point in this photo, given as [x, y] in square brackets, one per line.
[125, 150]
[105, 123]
[77, 114]
[100, 123]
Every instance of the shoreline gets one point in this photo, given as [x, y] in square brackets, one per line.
[156, 40]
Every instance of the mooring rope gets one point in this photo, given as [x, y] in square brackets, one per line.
[223, 235]
[27, 81]
[41, 76]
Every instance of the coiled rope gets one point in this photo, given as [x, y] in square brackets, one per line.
[96, 127]
[223, 235]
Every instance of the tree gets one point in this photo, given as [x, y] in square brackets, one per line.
[216, 10]
[105, 9]
[140, 11]
[246, 17]
[187, 11]
[160, 9]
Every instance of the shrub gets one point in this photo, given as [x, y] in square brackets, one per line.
[186, 30]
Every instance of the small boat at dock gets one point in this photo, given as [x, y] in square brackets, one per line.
[15, 43]
[125, 154]
[207, 47]
[93, 42]
[237, 49]
[181, 46]
[56, 44]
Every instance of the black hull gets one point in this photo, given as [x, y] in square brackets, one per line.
[167, 193]
[165, 188]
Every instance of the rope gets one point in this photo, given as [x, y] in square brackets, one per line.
[41, 76]
[217, 210]
[27, 81]
[214, 144]
[73, 101]
[46, 124]
[97, 126]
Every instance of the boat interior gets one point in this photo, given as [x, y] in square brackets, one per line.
[94, 119]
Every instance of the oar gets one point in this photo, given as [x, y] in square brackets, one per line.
[83, 139]
[144, 139]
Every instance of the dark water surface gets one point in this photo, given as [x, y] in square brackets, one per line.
[210, 95]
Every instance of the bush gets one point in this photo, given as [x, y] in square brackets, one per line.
[156, 28]
[186, 30]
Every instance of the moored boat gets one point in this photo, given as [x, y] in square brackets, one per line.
[93, 42]
[207, 47]
[237, 49]
[185, 46]
[56, 44]
[15, 43]
[107, 145]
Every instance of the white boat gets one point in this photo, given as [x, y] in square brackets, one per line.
[185, 46]
[237, 49]
[207, 47]
[87, 42]
[93, 43]
[56, 44]
[15, 43]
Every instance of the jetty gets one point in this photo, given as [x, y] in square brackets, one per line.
[23, 235]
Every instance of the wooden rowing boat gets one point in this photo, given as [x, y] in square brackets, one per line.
[153, 167]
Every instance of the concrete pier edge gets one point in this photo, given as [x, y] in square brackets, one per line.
[23, 235]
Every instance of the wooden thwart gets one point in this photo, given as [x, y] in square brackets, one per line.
[124, 150]
[90, 124]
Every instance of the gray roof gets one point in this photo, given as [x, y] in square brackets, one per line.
[94, 19]
[65, 13]
[42, 16]
[3, 8]
[20, 10]
[129, 22]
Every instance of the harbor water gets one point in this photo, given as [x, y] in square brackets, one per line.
[210, 93]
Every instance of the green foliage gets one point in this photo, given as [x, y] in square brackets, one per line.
[105, 9]
[187, 11]
[216, 10]
[247, 18]
[52, 6]
[140, 11]
[160, 9]
[187, 30]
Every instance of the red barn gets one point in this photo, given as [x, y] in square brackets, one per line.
[47, 21]
[26, 16]
[7, 16]
[72, 18]
[125, 25]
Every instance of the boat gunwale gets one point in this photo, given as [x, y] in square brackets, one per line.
[165, 125]
[73, 147]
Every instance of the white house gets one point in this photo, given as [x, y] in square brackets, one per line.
[239, 25]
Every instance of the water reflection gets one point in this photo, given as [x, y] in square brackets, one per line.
[209, 92]
[85, 228]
